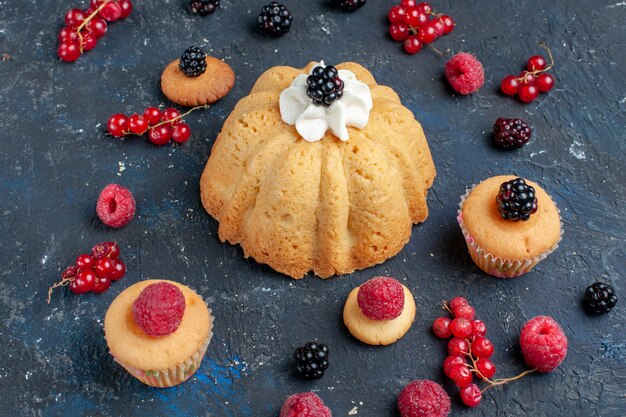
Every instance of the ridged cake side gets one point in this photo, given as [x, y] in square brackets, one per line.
[330, 207]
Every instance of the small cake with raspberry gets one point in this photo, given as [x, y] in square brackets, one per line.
[380, 311]
[158, 331]
[510, 224]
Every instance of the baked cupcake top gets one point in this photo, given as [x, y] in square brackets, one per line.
[134, 345]
[506, 238]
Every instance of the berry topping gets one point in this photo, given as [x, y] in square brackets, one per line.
[312, 360]
[324, 85]
[115, 206]
[465, 73]
[348, 5]
[599, 298]
[381, 298]
[441, 327]
[471, 395]
[274, 19]
[307, 404]
[159, 309]
[192, 62]
[423, 398]
[510, 133]
[204, 7]
[543, 343]
[516, 200]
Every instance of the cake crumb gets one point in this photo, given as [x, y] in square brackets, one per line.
[354, 411]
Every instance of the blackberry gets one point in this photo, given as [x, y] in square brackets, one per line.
[516, 200]
[274, 19]
[510, 133]
[193, 62]
[204, 7]
[348, 5]
[324, 85]
[312, 360]
[599, 298]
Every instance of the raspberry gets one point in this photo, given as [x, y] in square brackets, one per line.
[465, 73]
[306, 404]
[381, 298]
[159, 309]
[115, 206]
[423, 398]
[543, 343]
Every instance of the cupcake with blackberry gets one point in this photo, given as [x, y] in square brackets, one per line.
[158, 331]
[510, 224]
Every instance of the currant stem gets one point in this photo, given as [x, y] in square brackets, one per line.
[502, 381]
[62, 283]
[87, 20]
[180, 116]
[438, 52]
[445, 306]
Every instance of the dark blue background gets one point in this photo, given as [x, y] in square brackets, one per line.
[56, 158]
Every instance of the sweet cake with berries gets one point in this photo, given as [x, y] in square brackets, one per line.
[158, 331]
[380, 311]
[319, 169]
[510, 224]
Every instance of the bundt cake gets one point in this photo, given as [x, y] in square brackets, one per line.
[330, 206]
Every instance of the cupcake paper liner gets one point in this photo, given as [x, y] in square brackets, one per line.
[169, 377]
[494, 265]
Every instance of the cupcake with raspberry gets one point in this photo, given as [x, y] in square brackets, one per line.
[380, 311]
[158, 331]
[510, 225]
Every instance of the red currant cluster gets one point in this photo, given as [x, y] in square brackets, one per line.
[532, 81]
[93, 272]
[162, 126]
[417, 25]
[83, 28]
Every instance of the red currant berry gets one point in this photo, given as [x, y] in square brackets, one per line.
[160, 135]
[536, 63]
[527, 93]
[111, 12]
[97, 26]
[526, 78]
[119, 269]
[85, 261]
[422, 20]
[408, 3]
[396, 14]
[448, 24]
[439, 27]
[427, 34]
[83, 282]
[89, 41]
[544, 82]
[103, 267]
[399, 31]
[486, 367]
[69, 51]
[117, 125]
[441, 327]
[457, 347]
[69, 272]
[74, 18]
[482, 347]
[171, 114]
[101, 285]
[461, 375]
[451, 362]
[464, 312]
[471, 395]
[68, 35]
[113, 250]
[152, 115]
[181, 133]
[424, 7]
[479, 328]
[127, 8]
[509, 85]
[137, 124]
[412, 45]
[412, 17]
[461, 328]
[456, 302]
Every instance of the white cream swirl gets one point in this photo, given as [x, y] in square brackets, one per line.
[312, 121]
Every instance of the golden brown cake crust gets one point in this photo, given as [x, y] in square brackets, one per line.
[329, 207]
[130, 345]
[378, 332]
[207, 88]
[505, 238]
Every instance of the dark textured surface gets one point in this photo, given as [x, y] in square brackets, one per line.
[55, 159]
